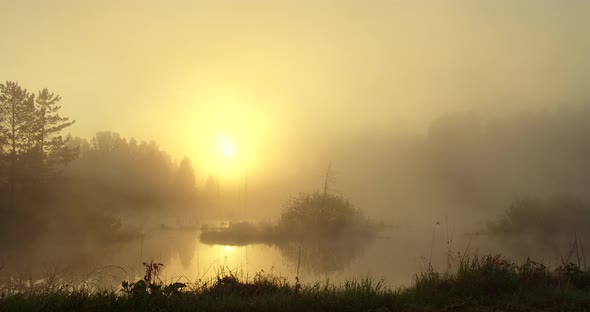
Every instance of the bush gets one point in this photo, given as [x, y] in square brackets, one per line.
[318, 213]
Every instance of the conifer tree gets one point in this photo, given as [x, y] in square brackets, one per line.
[53, 150]
[185, 177]
[17, 106]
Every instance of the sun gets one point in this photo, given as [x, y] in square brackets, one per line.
[227, 248]
[227, 151]
[226, 145]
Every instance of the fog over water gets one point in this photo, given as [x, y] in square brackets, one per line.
[328, 139]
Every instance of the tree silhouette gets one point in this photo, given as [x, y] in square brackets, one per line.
[185, 181]
[31, 145]
[17, 106]
[185, 176]
[52, 147]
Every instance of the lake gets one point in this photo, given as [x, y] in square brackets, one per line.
[396, 255]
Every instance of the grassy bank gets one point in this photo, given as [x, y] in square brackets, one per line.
[480, 283]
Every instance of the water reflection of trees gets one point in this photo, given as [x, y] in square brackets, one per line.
[324, 256]
[327, 232]
[538, 227]
[81, 256]
[322, 232]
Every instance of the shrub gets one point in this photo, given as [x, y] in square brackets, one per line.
[319, 213]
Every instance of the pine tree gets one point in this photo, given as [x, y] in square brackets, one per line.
[53, 149]
[185, 177]
[31, 145]
[3, 141]
[17, 106]
[185, 181]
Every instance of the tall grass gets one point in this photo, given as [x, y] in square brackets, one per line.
[480, 282]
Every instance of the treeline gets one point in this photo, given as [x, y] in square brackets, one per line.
[471, 167]
[126, 175]
[68, 190]
[494, 161]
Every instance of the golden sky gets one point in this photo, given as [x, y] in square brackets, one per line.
[277, 77]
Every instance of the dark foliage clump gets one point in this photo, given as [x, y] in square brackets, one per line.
[321, 214]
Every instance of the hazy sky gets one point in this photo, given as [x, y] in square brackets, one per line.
[274, 75]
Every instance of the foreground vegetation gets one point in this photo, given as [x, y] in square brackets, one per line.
[479, 283]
